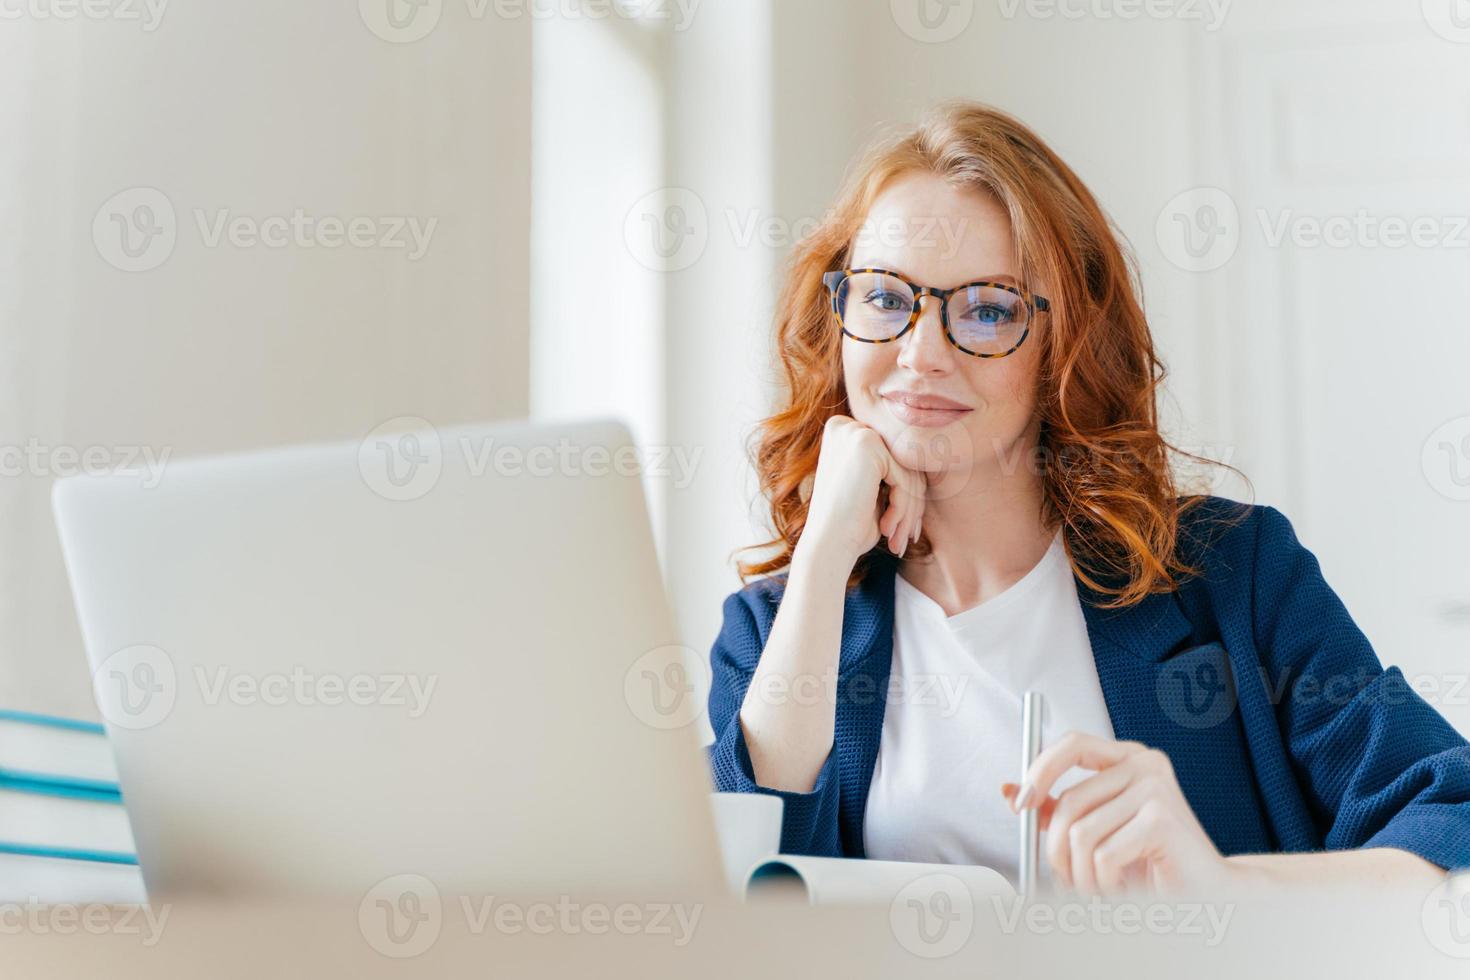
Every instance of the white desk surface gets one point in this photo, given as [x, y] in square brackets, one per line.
[1336, 933]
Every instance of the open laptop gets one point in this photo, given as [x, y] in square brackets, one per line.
[445, 653]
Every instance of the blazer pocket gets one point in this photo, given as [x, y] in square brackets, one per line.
[1196, 688]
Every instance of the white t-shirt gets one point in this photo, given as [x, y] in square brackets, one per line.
[952, 724]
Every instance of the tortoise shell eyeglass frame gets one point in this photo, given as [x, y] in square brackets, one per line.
[1034, 304]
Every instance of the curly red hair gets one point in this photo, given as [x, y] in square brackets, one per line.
[1107, 480]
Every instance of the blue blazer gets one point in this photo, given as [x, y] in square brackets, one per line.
[1285, 731]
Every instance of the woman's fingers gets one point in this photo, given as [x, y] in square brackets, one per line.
[1121, 858]
[1008, 790]
[1073, 807]
[1089, 832]
[894, 521]
[916, 513]
[1072, 749]
[918, 495]
[887, 515]
[902, 507]
[905, 504]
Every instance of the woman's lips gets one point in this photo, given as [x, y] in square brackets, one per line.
[927, 417]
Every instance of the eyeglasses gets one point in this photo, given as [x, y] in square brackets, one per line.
[983, 319]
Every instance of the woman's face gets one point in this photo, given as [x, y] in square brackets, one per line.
[936, 235]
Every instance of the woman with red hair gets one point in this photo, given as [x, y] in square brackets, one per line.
[971, 498]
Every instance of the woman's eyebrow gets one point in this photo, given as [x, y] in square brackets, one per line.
[994, 276]
[1005, 277]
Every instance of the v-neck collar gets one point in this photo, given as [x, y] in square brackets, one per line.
[1128, 645]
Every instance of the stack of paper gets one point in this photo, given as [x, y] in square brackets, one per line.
[64, 833]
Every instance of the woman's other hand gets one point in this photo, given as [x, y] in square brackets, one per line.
[1126, 827]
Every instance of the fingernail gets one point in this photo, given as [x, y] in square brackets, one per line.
[1024, 797]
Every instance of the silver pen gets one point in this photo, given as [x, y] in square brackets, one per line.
[1032, 705]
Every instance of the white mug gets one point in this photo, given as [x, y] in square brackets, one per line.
[749, 827]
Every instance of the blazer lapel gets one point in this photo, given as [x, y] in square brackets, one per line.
[1131, 647]
[864, 664]
[1128, 646]
[1179, 697]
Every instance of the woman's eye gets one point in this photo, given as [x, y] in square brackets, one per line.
[988, 313]
[887, 302]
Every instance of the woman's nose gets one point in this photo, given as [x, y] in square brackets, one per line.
[925, 349]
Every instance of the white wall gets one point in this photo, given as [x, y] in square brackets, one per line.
[1145, 108]
[725, 134]
[261, 109]
[838, 74]
[597, 316]
[719, 307]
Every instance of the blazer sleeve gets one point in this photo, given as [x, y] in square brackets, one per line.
[808, 820]
[1379, 766]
